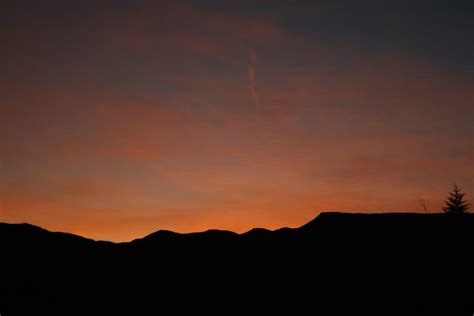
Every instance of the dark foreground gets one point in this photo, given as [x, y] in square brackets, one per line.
[337, 264]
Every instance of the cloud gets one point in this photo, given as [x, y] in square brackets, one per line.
[252, 72]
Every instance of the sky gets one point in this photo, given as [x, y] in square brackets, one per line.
[120, 118]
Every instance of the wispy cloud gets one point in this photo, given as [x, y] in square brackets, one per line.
[252, 72]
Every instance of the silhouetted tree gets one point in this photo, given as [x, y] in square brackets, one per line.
[455, 204]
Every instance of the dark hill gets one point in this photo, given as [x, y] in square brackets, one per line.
[336, 264]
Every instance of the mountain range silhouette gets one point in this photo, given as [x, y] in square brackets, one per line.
[338, 263]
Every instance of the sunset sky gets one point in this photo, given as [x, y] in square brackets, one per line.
[120, 118]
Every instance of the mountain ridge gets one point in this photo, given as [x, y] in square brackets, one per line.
[323, 216]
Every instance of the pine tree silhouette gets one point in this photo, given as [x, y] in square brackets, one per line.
[455, 204]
